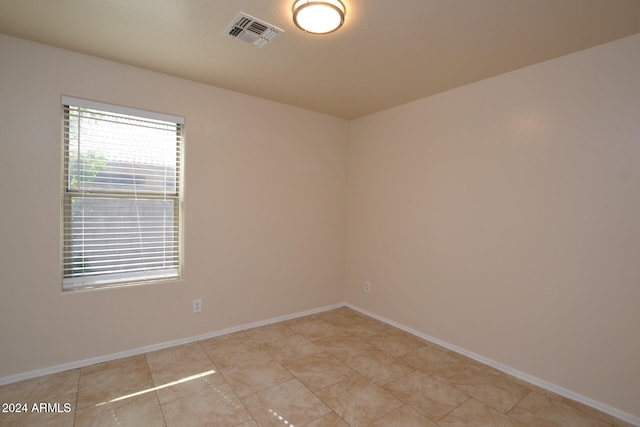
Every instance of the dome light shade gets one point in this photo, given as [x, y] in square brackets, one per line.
[318, 16]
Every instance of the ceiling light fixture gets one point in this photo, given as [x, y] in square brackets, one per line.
[318, 16]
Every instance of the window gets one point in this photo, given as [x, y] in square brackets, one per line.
[122, 195]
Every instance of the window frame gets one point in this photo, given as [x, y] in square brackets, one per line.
[71, 282]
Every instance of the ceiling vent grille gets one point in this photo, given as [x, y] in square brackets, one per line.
[252, 30]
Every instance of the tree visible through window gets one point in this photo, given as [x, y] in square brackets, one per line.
[122, 195]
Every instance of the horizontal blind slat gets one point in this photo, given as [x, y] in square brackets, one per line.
[121, 204]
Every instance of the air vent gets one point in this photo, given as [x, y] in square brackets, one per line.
[252, 30]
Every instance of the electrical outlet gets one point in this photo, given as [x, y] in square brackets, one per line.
[197, 305]
[367, 287]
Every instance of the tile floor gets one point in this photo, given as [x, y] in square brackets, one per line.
[336, 368]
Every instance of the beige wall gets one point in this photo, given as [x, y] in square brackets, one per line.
[501, 217]
[504, 218]
[265, 212]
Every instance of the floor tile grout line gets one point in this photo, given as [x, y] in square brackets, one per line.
[597, 415]
[392, 410]
[75, 404]
[164, 418]
[246, 408]
[382, 387]
[482, 400]
[518, 402]
[452, 410]
[409, 404]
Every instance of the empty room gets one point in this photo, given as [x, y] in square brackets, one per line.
[320, 213]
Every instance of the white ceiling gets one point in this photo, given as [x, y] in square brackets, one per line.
[389, 51]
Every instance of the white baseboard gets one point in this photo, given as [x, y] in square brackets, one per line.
[621, 415]
[154, 347]
[624, 416]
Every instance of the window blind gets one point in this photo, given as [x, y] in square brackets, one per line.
[122, 194]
